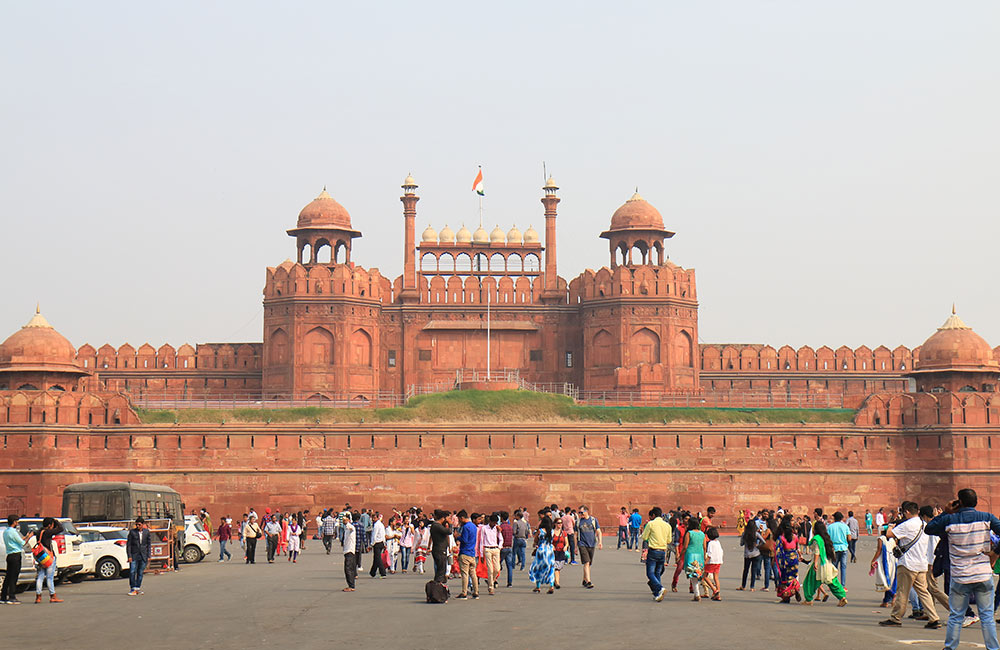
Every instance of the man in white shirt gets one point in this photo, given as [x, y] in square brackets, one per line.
[350, 541]
[911, 570]
[272, 530]
[378, 545]
[926, 514]
[879, 519]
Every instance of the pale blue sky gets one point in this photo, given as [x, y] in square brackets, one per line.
[830, 168]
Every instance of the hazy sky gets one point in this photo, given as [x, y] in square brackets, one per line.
[831, 168]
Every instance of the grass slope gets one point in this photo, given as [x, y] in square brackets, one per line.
[497, 406]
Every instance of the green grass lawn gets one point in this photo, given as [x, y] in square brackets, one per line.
[497, 406]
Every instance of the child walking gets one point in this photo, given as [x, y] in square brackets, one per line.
[713, 563]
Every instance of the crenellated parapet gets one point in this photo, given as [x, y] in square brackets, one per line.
[318, 281]
[108, 360]
[748, 358]
[65, 408]
[665, 282]
[920, 410]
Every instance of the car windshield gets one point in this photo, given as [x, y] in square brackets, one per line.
[197, 525]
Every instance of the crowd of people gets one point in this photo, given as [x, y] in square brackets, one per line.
[916, 546]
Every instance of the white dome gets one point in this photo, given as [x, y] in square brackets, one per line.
[530, 236]
[464, 236]
[481, 236]
[514, 236]
[497, 236]
[447, 235]
[429, 235]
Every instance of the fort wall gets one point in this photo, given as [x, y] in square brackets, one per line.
[231, 468]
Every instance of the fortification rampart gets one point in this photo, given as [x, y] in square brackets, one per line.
[228, 469]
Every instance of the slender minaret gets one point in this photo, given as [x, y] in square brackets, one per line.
[550, 201]
[409, 200]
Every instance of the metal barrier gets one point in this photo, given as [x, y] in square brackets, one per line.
[163, 542]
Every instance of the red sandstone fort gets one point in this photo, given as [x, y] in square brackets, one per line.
[469, 302]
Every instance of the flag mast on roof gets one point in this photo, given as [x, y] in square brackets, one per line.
[477, 187]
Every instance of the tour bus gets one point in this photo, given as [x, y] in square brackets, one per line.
[112, 501]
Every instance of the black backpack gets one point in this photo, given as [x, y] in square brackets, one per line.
[436, 592]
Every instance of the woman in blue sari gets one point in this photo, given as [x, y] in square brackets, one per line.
[543, 566]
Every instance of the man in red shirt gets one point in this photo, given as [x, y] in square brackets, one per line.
[623, 527]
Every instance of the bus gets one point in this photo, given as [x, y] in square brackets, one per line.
[114, 501]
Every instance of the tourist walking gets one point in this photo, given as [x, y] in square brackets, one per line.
[507, 549]
[840, 534]
[751, 540]
[695, 544]
[138, 548]
[854, 531]
[406, 544]
[350, 541]
[251, 533]
[588, 540]
[440, 534]
[293, 539]
[378, 545]
[14, 546]
[868, 521]
[283, 535]
[884, 566]
[225, 534]
[45, 570]
[491, 541]
[467, 539]
[657, 536]
[328, 530]
[911, 570]
[634, 525]
[713, 563]
[559, 542]
[787, 559]
[623, 528]
[967, 531]
[272, 531]
[522, 531]
[821, 571]
[421, 545]
[569, 525]
[542, 569]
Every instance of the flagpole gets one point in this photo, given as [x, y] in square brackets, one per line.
[488, 292]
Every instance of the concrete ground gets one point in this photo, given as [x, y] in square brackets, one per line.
[232, 605]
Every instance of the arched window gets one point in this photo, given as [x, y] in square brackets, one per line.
[497, 263]
[514, 263]
[645, 347]
[531, 264]
[428, 262]
[463, 263]
[446, 262]
[305, 254]
[318, 347]
[361, 348]
[603, 348]
[324, 253]
[278, 348]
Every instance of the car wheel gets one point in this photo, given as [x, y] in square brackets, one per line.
[107, 568]
[192, 554]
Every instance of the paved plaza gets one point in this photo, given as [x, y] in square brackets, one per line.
[231, 605]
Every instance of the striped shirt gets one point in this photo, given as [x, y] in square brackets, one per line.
[968, 532]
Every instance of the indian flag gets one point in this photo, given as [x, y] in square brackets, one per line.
[477, 185]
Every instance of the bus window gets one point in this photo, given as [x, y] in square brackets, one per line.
[93, 506]
[116, 506]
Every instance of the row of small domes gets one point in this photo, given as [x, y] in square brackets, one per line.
[480, 236]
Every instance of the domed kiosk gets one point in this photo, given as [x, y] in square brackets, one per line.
[636, 232]
[955, 359]
[323, 224]
[37, 357]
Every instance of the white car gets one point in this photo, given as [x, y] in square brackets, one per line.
[197, 541]
[69, 554]
[104, 552]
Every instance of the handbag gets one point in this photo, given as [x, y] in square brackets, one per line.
[898, 551]
[481, 571]
[42, 555]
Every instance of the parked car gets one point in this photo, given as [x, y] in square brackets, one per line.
[104, 553]
[68, 545]
[197, 541]
[27, 575]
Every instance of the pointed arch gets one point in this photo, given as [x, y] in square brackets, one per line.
[361, 348]
[318, 347]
